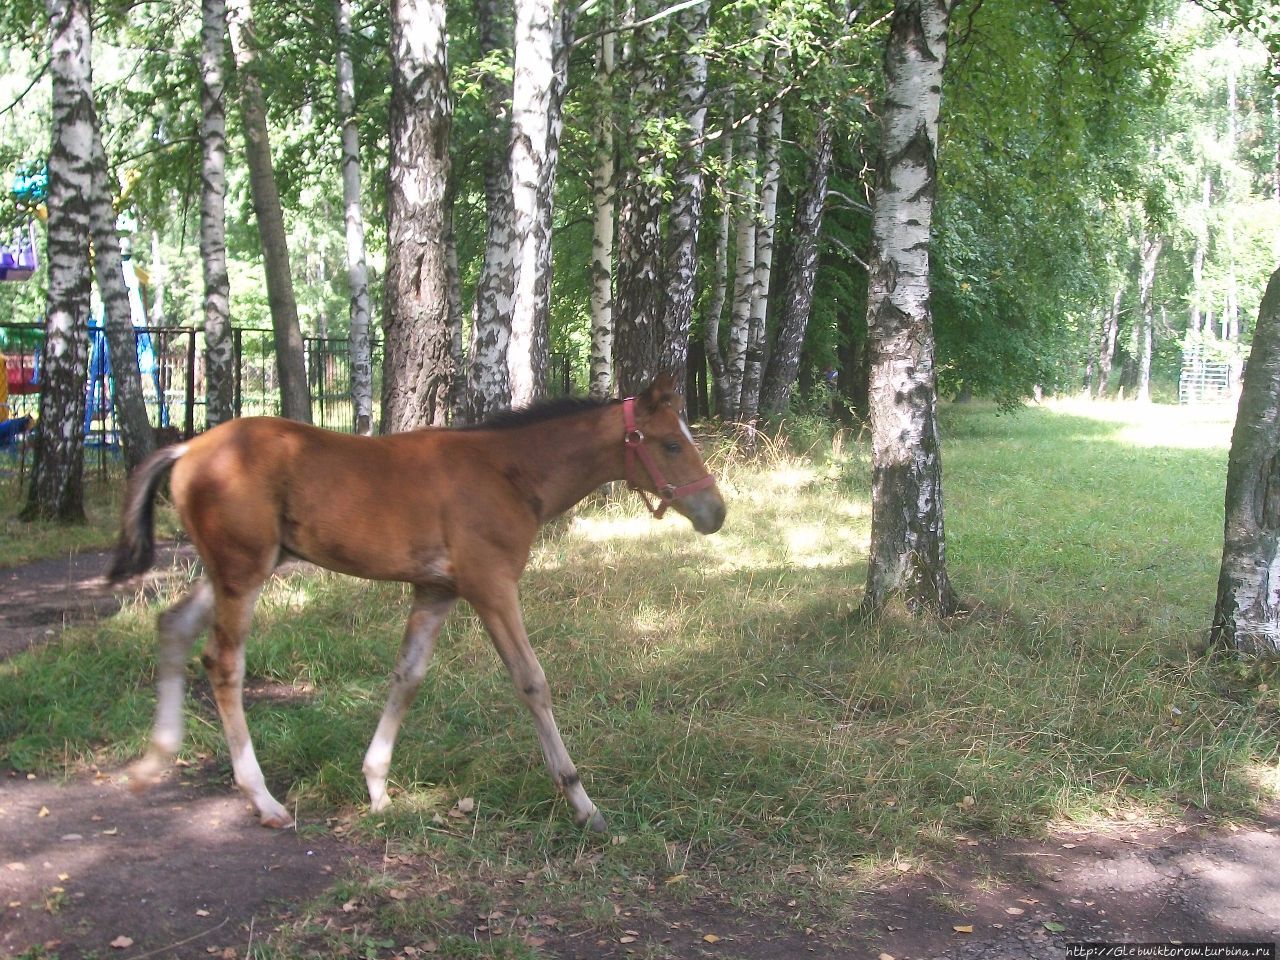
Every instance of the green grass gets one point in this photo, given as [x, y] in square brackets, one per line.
[22, 542]
[728, 709]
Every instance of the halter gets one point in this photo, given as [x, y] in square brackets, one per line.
[633, 444]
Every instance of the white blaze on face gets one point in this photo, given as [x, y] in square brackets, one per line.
[684, 428]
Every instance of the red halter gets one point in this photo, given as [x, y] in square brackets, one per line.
[633, 443]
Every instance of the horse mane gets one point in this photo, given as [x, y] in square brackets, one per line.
[540, 412]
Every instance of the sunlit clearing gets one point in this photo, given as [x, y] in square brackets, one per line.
[599, 529]
[1200, 427]
[791, 477]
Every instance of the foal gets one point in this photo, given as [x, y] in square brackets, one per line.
[452, 512]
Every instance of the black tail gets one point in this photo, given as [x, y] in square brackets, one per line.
[136, 549]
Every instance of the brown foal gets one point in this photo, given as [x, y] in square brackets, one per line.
[453, 512]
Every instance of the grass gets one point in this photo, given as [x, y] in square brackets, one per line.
[22, 542]
[729, 711]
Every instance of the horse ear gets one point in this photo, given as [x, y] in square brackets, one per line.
[661, 391]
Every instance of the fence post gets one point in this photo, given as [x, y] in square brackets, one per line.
[189, 424]
[238, 347]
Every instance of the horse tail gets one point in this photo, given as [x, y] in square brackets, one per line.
[136, 549]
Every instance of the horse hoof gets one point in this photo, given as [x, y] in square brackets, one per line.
[595, 823]
[276, 821]
[143, 775]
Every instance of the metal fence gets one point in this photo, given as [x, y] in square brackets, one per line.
[1204, 381]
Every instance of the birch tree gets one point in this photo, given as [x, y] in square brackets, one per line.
[56, 491]
[1246, 616]
[218, 340]
[295, 396]
[1150, 253]
[681, 262]
[796, 303]
[720, 283]
[543, 34]
[353, 219]
[602, 204]
[488, 380]
[908, 553]
[757, 331]
[122, 343]
[417, 366]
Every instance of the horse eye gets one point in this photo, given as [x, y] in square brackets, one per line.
[671, 446]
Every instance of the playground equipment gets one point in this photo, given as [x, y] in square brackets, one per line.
[19, 258]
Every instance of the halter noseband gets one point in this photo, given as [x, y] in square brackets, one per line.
[633, 444]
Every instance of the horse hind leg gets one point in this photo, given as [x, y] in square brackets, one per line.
[428, 614]
[179, 627]
[224, 662]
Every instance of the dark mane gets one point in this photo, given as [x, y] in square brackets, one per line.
[540, 413]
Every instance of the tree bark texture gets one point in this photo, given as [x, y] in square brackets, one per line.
[1246, 618]
[1107, 342]
[685, 216]
[641, 300]
[757, 332]
[543, 35]
[219, 347]
[744, 272]
[802, 269]
[720, 285]
[603, 190]
[417, 366]
[122, 343]
[908, 553]
[1146, 285]
[353, 217]
[488, 380]
[57, 491]
[295, 397]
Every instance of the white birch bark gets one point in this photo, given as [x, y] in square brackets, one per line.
[353, 219]
[219, 345]
[720, 285]
[122, 343]
[687, 190]
[1146, 319]
[908, 555]
[602, 202]
[488, 380]
[765, 228]
[56, 491]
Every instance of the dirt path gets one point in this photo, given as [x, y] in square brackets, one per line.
[186, 872]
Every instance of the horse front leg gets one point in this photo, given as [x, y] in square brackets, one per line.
[499, 608]
[179, 628]
[429, 611]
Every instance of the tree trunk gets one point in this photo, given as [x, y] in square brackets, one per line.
[686, 200]
[802, 269]
[602, 201]
[295, 397]
[908, 546]
[452, 408]
[353, 215]
[57, 491]
[542, 39]
[1146, 285]
[220, 361]
[122, 343]
[744, 274]
[1246, 618]
[416, 369]
[720, 286]
[638, 313]
[1107, 342]
[488, 381]
[757, 335]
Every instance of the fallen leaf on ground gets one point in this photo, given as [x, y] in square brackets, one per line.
[398, 894]
[16, 866]
[626, 939]
[963, 928]
[710, 938]
[1014, 911]
[111, 833]
[44, 812]
[202, 913]
[678, 878]
[122, 942]
[1053, 926]
[886, 956]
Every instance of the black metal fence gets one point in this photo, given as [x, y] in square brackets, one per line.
[171, 361]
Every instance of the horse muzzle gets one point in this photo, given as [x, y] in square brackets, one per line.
[704, 509]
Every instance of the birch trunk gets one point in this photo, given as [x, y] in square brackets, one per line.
[417, 366]
[757, 334]
[219, 346]
[686, 200]
[57, 491]
[602, 202]
[1146, 284]
[638, 317]
[1107, 342]
[744, 273]
[720, 287]
[908, 544]
[122, 343]
[295, 397]
[353, 217]
[1246, 617]
[488, 381]
[802, 269]
[542, 38]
